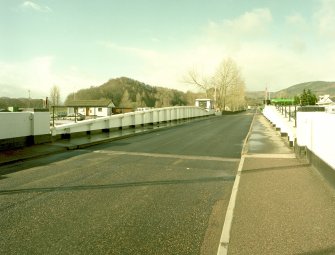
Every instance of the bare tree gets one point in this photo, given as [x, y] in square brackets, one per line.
[225, 86]
[201, 82]
[227, 79]
[55, 96]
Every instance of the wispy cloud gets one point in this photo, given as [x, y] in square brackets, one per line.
[30, 5]
[137, 51]
[38, 75]
[325, 18]
[251, 23]
[296, 20]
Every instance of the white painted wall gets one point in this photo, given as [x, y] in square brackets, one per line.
[131, 119]
[315, 130]
[20, 124]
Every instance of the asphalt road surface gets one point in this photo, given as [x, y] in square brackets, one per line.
[165, 192]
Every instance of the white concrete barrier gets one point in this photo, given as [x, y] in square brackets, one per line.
[21, 124]
[18, 129]
[132, 119]
[316, 131]
[285, 125]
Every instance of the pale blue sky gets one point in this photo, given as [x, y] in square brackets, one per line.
[79, 43]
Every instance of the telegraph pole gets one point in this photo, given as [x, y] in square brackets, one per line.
[29, 98]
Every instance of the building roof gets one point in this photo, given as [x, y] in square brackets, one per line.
[325, 99]
[91, 103]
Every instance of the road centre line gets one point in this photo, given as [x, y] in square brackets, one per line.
[158, 155]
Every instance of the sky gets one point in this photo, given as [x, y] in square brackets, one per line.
[75, 44]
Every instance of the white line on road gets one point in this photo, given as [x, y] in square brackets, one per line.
[278, 155]
[158, 155]
[225, 236]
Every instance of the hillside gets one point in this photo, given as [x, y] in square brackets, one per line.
[317, 87]
[126, 92]
[6, 102]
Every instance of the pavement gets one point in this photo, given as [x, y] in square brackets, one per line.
[283, 205]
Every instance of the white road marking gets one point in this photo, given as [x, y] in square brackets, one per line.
[225, 235]
[158, 155]
[287, 155]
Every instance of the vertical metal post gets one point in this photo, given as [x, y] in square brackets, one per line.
[53, 115]
[289, 113]
[295, 116]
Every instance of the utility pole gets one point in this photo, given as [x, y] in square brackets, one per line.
[29, 98]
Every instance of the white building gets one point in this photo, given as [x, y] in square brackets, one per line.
[324, 100]
[95, 108]
[205, 103]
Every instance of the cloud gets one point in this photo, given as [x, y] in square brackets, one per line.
[38, 75]
[252, 23]
[297, 21]
[30, 5]
[136, 51]
[250, 26]
[255, 21]
[325, 18]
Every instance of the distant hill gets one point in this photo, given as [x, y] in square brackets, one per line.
[6, 102]
[317, 87]
[126, 92]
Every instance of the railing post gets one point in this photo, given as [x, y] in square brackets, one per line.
[295, 116]
[289, 113]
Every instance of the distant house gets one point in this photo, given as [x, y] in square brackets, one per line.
[204, 103]
[95, 108]
[324, 100]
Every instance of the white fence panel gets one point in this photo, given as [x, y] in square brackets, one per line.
[132, 119]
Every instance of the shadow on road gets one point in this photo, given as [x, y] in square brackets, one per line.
[116, 185]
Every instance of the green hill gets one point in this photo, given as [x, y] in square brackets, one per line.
[126, 92]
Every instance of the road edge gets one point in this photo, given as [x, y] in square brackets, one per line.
[225, 235]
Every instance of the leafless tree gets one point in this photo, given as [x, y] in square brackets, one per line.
[228, 83]
[225, 86]
[202, 82]
[55, 96]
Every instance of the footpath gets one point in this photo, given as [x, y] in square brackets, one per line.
[283, 205]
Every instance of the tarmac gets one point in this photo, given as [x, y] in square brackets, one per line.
[282, 204]
[59, 146]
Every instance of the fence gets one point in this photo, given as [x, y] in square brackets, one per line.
[132, 119]
[311, 130]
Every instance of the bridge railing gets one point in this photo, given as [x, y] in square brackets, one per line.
[131, 119]
[19, 129]
[313, 131]
[283, 122]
